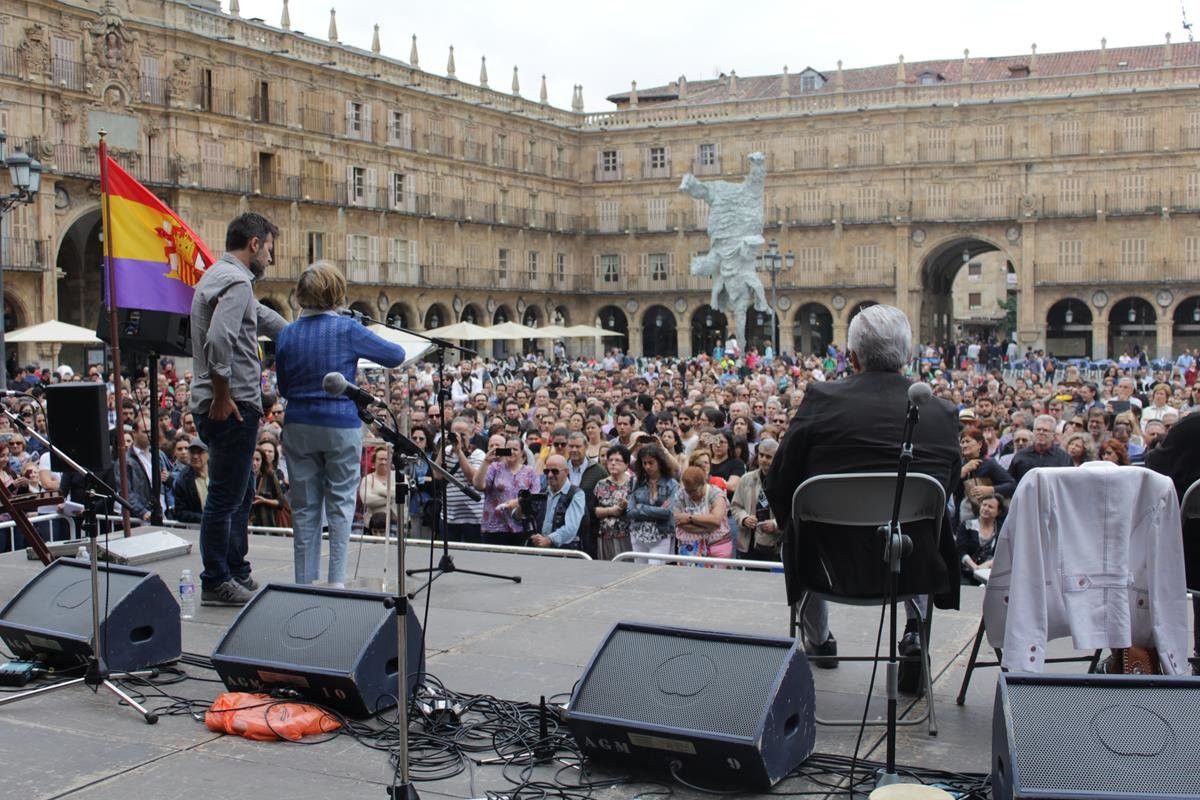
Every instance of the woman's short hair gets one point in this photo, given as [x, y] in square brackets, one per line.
[973, 433]
[321, 287]
[881, 337]
[693, 477]
[1118, 449]
[618, 450]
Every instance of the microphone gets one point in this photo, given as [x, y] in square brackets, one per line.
[335, 384]
[919, 393]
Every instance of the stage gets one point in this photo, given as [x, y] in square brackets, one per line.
[484, 636]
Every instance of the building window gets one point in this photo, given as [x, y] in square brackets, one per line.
[1070, 138]
[357, 254]
[1070, 253]
[658, 158]
[400, 129]
[810, 260]
[502, 263]
[993, 142]
[866, 257]
[993, 196]
[658, 266]
[398, 197]
[707, 156]
[1191, 249]
[608, 161]
[532, 262]
[1133, 251]
[929, 79]
[865, 148]
[975, 300]
[560, 267]
[974, 271]
[608, 217]
[656, 214]
[939, 145]
[355, 119]
[1133, 192]
[810, 81]
[610, 268]
[1191, 190]
[1070, 195]
[358, 185]
[937, 200]
[868, 202]
[315, 249]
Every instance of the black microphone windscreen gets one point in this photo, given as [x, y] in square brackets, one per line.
[919, 392]
[334, 383]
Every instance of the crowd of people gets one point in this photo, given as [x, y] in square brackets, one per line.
[608, 454]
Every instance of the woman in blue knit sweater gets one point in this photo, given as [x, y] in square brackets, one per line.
[322, 434]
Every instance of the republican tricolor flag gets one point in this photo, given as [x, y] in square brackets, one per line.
[155, 258]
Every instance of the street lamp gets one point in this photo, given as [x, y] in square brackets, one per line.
[773, 263]
[1069, 317]
[1132, 315]
[1196, 313]
[26, 176]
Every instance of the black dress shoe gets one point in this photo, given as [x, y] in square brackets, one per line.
[911, 680]
[824, 655]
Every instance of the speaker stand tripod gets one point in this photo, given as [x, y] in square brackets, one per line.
[97, 675]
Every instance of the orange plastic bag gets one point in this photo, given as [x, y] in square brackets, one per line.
[265, 719]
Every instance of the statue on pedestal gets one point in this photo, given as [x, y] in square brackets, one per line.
[735, 225]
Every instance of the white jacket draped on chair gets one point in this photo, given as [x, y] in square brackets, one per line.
[1094, 553]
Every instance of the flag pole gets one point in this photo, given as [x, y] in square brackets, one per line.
[113, 337]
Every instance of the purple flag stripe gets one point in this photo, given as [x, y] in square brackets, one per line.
[145, 285]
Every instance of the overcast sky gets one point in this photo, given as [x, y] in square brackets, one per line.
[605, 45]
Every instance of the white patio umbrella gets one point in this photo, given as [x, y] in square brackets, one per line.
[55, 332]
[414, 346]
[510, 331]
[552, 332]
[468, 331]
[589, 331]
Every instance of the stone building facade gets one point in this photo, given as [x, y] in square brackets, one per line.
[445, 199]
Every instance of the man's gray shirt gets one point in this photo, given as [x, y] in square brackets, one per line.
[226, 322]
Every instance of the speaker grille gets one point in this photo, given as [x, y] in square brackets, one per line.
[60, 599]
[681, 682]
[324, 631]
[1106, 739]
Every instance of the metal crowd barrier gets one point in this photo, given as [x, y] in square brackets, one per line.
[735, 563]
[551, 552]
[9, 527]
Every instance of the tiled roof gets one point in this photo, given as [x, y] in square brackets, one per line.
[956, 70]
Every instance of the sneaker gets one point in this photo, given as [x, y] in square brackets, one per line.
[248, 583]
[229, 593]
[824, 655]
[911, 680]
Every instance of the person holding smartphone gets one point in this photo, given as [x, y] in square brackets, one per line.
[505, 475]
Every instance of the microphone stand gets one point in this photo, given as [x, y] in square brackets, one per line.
[895, 545]
[446, 563]
[99, 496]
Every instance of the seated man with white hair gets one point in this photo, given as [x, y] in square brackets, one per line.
[856, 424]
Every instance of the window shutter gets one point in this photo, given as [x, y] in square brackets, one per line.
[412, 257]
[596, 266]
[349, 117]
[643, 265]
[372, 188]
[620, 162]
[368, 131]
[373, 251]
[624, 267]
[350, 198]
[671, 263]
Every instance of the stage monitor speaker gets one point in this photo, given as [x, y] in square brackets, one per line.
[161, 332]
[77, 423]
[1096, 736]
[336, 647]
[716, 707]
[50, 618]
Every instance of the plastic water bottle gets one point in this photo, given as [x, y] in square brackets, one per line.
[187, 595]
[82, 555]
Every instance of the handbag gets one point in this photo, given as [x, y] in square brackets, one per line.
[1132, 661]
[283, 515]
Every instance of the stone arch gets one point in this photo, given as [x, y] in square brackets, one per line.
[1069, 329]
[942, 262]
[82, 286]
[401, 314]
[812, 329]
[362, 307]
[1185, 327]
[473, 313]
[857, 307]
[709, 328]
[276, 306]
[435, 316]
[612, 318]
[533, 317]
[659, 332]
[1132, 323]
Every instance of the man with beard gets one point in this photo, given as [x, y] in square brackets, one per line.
[227, 400]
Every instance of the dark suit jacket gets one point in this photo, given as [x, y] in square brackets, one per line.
[1178, 457]
[856, 425]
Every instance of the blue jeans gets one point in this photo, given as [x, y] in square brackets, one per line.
[223, 539]
[323, 466]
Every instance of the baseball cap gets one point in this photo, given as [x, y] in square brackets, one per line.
[197, 444]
